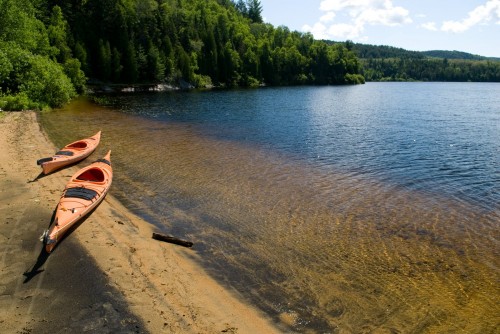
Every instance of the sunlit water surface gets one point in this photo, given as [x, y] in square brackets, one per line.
[362, 209]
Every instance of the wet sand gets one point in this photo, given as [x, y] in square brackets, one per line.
[108, 275]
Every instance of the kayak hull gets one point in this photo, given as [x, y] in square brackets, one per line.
[82, 194]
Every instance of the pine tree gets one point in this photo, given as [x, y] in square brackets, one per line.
[254, 8]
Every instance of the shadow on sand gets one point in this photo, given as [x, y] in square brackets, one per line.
[41, 175]
[44, 255]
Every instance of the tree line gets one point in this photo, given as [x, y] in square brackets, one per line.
[385, 63]
[49, 49]
[432, 69]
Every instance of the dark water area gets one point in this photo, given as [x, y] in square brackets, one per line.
[372, 208]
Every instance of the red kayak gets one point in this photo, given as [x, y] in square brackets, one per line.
[70, 154]
[85, 190]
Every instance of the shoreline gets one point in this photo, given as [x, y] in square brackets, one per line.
[138, 284]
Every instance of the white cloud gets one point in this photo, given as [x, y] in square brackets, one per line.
[454, 26]
[358, 13]
[480, 15]
[430, 26]
[345, 31]
[318, 30]
[391, 16]
[339, 30]
[328, 17]
[339, 5]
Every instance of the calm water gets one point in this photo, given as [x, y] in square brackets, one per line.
[372, 208]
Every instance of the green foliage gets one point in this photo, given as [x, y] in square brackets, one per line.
[254, 11]
[49, 48]
[19, 101]
[56, 31]
[251, 9]
[383, 63]
[431, 70]
[35, 81]
[5, 67]
[241, 6]
[354, 79]
[202, 42]
[202, 81]
[36, 66]
[104, 60]
[366, 51]
[46, 82]
[44, 45]
[75, 74]
[18, 25]
[455, 55]
[81, 55]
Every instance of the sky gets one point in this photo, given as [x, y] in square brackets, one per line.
[471, 26]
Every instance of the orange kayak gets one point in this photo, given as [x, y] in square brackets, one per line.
[84, 191]
[70, 154]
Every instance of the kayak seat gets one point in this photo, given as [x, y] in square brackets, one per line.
[83, 193]
[93, 175]
[68, 153]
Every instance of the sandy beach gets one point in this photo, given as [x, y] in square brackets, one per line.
[107, 276]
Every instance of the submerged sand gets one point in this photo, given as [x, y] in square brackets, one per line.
[109, 275]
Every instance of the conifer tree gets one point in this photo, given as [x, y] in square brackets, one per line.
[254, 8]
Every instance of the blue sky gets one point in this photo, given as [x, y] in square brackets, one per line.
[465, 25]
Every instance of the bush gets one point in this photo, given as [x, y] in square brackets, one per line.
[30, 81]
[202, 81]
[5, 67]
[16, 62]
[46, 83]
[354, 79]
[72, 68]
[17, 102]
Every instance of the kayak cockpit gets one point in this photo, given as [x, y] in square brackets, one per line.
[92, 175]
[78, 145]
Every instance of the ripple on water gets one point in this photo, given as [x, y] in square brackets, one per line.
[322, 249]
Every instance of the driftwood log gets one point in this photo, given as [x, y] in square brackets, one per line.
[172, 240]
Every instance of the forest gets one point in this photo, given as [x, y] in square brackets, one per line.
[385, 63]
[51, 49]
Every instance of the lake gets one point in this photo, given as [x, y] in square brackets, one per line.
[336, 209]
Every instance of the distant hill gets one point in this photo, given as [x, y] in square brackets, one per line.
[367, 51]
[456, 55]
[387, 63]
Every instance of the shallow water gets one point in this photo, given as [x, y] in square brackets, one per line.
[372, 208]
